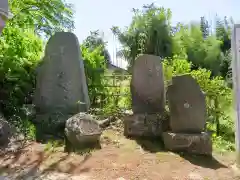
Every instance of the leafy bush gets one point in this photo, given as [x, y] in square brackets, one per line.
[148, 33]
[94, 64]
[118, 96]
[20, 52]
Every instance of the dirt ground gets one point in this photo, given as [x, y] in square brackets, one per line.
[119, 158]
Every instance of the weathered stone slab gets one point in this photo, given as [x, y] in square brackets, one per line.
[61, 81]
[82, 130]
[147, 85]
[145, 125]
[187, 105]
[61, 88]
[192, 143]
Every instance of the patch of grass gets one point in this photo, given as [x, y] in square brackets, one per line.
[30, 130]
[117, 138]
[85, 151]
[225, 142]
[53, 146]
[221, 145]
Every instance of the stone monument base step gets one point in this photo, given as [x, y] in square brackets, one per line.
[145, 125]
[192, 143]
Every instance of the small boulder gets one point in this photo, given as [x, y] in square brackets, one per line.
[195, 176]
[82, 131]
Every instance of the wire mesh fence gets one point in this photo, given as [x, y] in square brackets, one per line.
[113, 89]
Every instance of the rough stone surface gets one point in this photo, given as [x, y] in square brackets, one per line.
[82, 130]
[191, 143]
[50, 126]
[187, 105]
[61, 83]
[5, 132]
[145, 125]
[147, 85]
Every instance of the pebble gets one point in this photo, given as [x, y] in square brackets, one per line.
[195, 176]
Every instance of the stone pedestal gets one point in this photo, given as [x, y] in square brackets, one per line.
[145, 125]
[192, 143]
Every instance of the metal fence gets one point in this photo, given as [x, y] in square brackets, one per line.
[113, 89]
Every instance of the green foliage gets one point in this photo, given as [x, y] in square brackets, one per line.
[125, 101]
[222, 145]
[202, 52]
[94, 41]
[148, 33]
[45, 17]
[27, 128]
[20, 53]
[21, 47]
[95, 66]
[52, 146]
[204, 27]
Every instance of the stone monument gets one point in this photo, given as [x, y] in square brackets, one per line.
[148, 98]
[147, 85]
[61, 89]
[188, 115]
[187, 105]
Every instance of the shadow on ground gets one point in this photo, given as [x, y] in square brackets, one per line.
[203, 161]
[27, 162]
[150, 145]
[156, 145]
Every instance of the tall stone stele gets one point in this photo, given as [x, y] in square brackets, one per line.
[147, 85]
[148, 98]
[188, 113]
[61, 89]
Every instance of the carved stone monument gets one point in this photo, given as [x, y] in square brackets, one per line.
[61, 89]
[188, 115]
[187, 105]
[148, 98]
[147, 85]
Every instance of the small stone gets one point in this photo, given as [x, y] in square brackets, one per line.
[81, 129]
[195, 176]
[121, 178]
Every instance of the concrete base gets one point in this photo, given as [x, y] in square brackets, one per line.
[192, 143]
